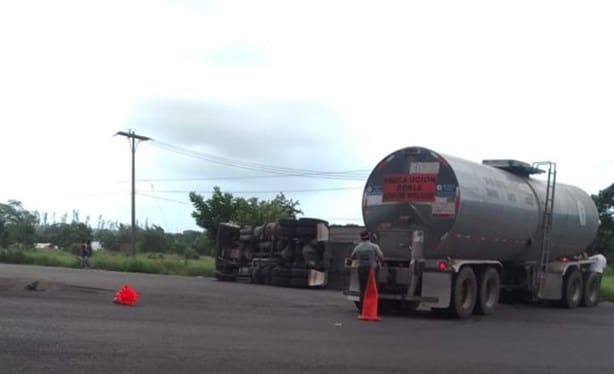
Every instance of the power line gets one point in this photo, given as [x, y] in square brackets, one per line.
[255, 166]
[88, 195]
[163, 199]
[238, 177]
[266, 191]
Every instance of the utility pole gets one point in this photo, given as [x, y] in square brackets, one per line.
[133, 137]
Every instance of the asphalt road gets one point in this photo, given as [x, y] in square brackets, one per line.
[199, 325]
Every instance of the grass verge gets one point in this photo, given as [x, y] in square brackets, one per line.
[153, 263]
[607, 285]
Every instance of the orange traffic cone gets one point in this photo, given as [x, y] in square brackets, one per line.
[369, 303]
[126, 296]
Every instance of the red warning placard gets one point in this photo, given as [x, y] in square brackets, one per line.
[409, 188]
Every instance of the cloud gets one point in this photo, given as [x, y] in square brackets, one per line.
[235, 54]
[304, 135]
[292, 134]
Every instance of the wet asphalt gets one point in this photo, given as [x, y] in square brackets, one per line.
[199, 325]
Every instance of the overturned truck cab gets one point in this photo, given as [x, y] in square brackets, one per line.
[456, 234]
[286, 252]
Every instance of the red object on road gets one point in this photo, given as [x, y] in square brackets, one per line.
[369, 303]
[126, 296]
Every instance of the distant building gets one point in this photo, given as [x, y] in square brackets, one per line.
[45, 246]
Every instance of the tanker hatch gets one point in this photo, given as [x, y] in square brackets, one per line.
[519, 168]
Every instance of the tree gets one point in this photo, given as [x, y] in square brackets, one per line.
[17, 225]
[224, 207]
[605, 206]
[65, 235]
[187, 240]
[255, 212]
[154, 240]
[109, 239]
[211, 212]
[117, 238]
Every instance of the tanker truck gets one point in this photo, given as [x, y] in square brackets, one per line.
[457, 234]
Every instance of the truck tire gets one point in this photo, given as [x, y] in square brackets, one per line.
[256, 275]
[299, 273]
[280, 281]
[572, 289]
[298, 282]
[592, 285]
[270, 229]
[224, 277]
[267, 275]
[286, 227]
[280, 271]
[258, 230]
[280, 276]
[267, 245]
[287, 232]
[464, 293]
[488, 292]
[246, 237]
[246, 230]
[299, 277]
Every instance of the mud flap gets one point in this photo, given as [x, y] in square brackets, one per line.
[436, 285]
[553, 287]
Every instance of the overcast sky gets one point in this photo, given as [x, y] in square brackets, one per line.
[316, 85]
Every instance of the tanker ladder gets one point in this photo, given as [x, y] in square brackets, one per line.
[539, 280]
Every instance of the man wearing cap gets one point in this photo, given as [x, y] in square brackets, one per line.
[369, 256]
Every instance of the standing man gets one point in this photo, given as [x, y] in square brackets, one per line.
[86, 253]
[82, 250]
[600, 263]
[369, 256]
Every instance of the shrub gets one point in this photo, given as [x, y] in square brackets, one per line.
[15, 256]
[191, 254]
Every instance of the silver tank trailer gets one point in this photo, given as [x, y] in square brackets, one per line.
[472, 211]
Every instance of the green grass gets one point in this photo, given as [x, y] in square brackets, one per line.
[153, 263]
[607, 285]
[38, 257]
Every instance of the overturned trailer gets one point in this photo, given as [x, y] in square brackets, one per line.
[292, 253]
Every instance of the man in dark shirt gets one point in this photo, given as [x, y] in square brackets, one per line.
[369, 256]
